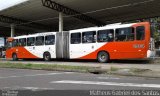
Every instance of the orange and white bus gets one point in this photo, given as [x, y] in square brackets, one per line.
[117, 41]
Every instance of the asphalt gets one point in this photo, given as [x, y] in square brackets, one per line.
[25, 82]
[49, 80]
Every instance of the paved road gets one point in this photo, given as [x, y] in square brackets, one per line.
[41, 80]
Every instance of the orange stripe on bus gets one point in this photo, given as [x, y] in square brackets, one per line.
[21, 53]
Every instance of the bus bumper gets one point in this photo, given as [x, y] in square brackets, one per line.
[151, 54]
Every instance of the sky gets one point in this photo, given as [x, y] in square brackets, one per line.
[4, 4]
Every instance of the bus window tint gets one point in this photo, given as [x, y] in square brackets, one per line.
[30, 41]
[9, 44]
[105, 36]
[140, 31]
[89, 37]
[124, 34]
[50, 40]
[75, 38]
[15, 43]
[40, 40]
[22, 42]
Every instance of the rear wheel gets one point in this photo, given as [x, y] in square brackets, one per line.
[103, 57]
[14, 57]
[47, 56]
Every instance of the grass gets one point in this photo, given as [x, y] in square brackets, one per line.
[114, 68]
[136, 70]
[50, 67]
[71, 68]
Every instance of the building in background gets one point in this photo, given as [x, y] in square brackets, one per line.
[2, 46]
[2, 41]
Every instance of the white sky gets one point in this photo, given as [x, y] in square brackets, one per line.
[4, 4]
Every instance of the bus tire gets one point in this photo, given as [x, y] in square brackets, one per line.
[103, 57]
[47, 56]
[14, 57]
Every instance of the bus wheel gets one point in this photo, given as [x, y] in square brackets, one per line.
[14, 57]
[47, 56]
[103, 57]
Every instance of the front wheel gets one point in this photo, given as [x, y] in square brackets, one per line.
[47, 56]
[103, 57]
[14, 57]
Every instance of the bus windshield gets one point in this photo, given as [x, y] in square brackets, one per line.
[9, 44]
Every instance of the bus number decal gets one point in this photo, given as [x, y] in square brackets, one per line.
[138, 46]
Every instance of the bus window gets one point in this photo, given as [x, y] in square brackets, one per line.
[75, 38]
[15, 43]
[89, 37]
[124, 34]
[30, 41]
[140, 31]
[105, 35]
[39, 40]
[22, 42]
[9, 44]
[50, 40]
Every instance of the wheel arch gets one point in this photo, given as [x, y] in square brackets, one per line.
[14, 54]
[14, 59]
[46, 52]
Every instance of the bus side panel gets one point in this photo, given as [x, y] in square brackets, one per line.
[30, 52]
[117, 51]
[124, 50]
[75, 51]
[51, 49]
[26, 53]
[86, 51]
[107, 47]
[21, 52]
[9, 53]
[40, 50]
[147, 36]
[129, 50]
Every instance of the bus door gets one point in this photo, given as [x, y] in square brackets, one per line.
[30, 47]
[22, 44]
[89, 45]
[75, 48]
[127, 44]
[39, 47]
[50, 45]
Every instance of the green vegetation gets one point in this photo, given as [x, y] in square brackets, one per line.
[136, 70]
[70, 68]
[50, 67]
[156, 28]
[114, 68]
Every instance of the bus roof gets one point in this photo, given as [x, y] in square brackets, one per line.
[34, 35]
[111, 26]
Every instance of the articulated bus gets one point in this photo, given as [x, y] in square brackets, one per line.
[117, 41]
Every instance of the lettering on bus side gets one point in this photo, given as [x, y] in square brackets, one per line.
[138, 46]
